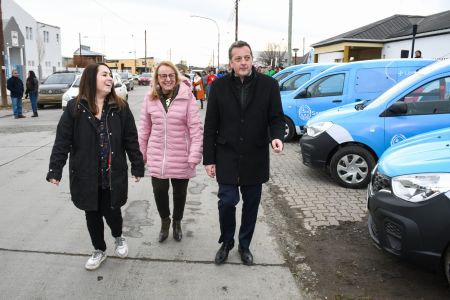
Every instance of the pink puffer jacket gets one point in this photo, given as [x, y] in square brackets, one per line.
[172, 142]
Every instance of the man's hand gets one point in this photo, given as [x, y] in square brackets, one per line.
[54, 181]
[211, 170]
[277, 145]
[136, 179]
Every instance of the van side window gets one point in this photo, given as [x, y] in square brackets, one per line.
[332, 85]
[431, 98]
[295, 81]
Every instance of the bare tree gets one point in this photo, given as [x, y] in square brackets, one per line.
[41, 54]
[274, 55]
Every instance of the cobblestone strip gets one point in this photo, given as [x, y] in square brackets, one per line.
[312, 194]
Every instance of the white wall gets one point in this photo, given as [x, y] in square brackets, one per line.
[52, 48]
[434, 47]
[330, 57]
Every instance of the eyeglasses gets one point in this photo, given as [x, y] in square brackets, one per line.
[165, 76]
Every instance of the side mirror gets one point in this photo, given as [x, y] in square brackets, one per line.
[282, 88]
[399, 108]
[302, 94]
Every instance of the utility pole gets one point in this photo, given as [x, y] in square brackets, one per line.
[2, 61]
[289, 62]
[145, 51]
[237, 20]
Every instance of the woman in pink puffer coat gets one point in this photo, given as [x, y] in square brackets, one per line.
[171, 141]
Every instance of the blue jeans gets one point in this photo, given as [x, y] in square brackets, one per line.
[17, 106]
[228, 199]
[33, 100]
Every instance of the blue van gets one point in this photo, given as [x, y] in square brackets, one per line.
[409, 200]
[288, 71]
[299, 77]
[343, 84]
[350, 139]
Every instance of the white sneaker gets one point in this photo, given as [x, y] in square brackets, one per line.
[121, 247]
[96, 259]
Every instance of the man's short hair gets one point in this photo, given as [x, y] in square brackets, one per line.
[239, 44]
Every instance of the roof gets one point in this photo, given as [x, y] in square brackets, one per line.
[391, 27]
[86, 51]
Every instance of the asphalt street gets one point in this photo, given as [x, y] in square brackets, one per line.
[44, 242]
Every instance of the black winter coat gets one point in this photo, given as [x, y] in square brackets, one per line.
[237, 137]
[15, 86]
[76, 134]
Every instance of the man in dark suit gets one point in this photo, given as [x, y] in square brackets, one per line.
[244, 115]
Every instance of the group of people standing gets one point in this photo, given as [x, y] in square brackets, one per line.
[244, 116]
[16, 88]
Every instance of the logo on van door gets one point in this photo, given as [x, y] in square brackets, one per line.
[397, 139]
[305, 113]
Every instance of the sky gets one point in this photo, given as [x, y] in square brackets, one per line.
[116, 27]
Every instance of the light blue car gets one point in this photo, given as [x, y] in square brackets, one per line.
[299, 77]
[349, 140]
[287, 71]
[409, 200]
[343, 84]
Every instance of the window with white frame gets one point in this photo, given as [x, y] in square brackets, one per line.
[57, 38]
[46, 36]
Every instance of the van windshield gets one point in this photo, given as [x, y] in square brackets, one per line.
[395, 89]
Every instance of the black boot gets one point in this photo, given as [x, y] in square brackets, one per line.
[177, 233]
[165, 226]
[35, 114]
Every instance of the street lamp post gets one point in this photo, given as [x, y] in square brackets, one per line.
[218, 37]
[295, 55]
[415, 21]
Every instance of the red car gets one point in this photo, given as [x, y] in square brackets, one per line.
[145, 79]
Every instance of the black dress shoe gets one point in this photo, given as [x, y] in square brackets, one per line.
[246, 256]
[222, 254]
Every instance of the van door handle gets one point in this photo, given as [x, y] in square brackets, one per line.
[337, 101]
[357, 100]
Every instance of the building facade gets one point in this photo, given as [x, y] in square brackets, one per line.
[29, 45]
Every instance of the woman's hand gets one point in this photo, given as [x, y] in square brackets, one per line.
[54, 181]
[136, 179]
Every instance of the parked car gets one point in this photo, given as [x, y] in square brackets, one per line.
[72, 92]
[145, 78]
[349, 140]
[343, 84]
[287, 71]
[293, 82]
[127, 80]
[53, 88]
[409, 200]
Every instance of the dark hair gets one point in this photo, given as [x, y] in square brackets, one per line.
[32, 75]
[88, 88]
[239, 44]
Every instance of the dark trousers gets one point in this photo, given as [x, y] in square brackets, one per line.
[161, 193]
[228, 199]
[95, 224]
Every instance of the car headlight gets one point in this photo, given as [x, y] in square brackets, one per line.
[420, 187]
[66, 97]
[318, 128]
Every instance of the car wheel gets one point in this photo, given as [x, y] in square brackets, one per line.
[447, 264]
[351, 166]
[289, 132]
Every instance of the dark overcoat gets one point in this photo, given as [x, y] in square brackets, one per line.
[76, 134]
[237, 137]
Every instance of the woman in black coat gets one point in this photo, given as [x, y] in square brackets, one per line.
[98, 130]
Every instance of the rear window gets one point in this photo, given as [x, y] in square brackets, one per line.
[60, 79]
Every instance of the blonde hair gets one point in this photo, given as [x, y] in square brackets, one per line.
[156, 89]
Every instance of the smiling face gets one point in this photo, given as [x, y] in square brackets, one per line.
[167, 78]
[241, 61]
[104, 81]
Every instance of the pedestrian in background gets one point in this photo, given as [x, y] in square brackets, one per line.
[210, 79]
[99, 131]
[418, 54]
[205, 83]
[32, 91]
[198, 87]
[244, 116]
[170, 139]
[15, 86]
